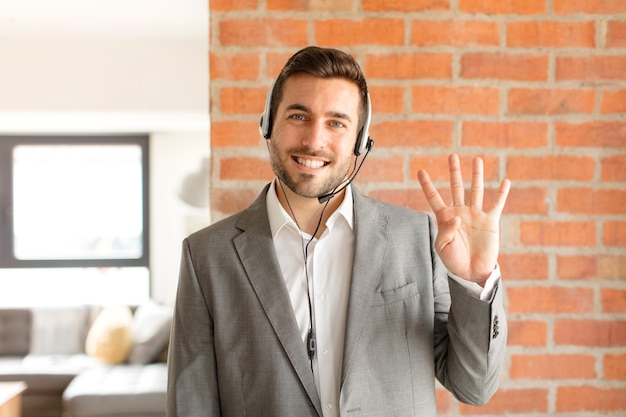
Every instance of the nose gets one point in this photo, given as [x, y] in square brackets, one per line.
[314, 136]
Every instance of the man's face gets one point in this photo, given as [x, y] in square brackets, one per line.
[315, 129]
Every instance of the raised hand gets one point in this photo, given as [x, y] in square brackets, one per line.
[468, 237]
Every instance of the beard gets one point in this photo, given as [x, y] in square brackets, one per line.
[303, 184]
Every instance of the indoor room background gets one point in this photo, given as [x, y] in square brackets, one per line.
[76, 68]
[537, 88]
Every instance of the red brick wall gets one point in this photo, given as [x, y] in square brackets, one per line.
[538, 88]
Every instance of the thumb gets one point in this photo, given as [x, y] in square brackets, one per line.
[447, 233]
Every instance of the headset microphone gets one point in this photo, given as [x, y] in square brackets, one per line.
[325, 197]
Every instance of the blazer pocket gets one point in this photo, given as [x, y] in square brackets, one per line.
[394, 295]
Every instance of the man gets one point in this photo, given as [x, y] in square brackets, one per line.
[319, 301]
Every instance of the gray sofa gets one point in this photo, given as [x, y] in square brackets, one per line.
[76, 364]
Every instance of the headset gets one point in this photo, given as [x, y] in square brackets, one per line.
[363, 141]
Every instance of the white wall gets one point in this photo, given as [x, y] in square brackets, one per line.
[155, 86]
[117, 75]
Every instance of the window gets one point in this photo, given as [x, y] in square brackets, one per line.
[73, 206]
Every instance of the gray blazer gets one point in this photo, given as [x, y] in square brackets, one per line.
[236, 349]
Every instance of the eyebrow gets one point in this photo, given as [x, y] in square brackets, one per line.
[304, 108]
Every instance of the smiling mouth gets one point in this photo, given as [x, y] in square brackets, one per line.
[310, 163]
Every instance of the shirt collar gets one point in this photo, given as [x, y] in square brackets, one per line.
[279, 218]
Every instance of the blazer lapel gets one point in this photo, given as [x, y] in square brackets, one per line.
[256, 252]
[371, 240]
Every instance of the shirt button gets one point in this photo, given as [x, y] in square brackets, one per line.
[329, 407]
[325, 352]
[321, 297]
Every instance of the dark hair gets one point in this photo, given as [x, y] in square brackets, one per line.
[322, 63]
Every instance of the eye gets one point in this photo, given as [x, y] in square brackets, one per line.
[336, 123]
[297, 116]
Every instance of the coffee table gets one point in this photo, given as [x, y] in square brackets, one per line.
[11, 398]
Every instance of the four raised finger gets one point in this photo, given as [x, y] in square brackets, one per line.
[456, 181]
[477, 187]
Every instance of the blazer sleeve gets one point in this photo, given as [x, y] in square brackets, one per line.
[192, 376]
[470, 339]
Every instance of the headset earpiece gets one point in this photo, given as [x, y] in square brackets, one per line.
[265, 123]
[363, 141]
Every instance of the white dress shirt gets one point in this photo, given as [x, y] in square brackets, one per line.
[328, 271]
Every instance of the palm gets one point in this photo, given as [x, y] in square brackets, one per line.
[468, 237]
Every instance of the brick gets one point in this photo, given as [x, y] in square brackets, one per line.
[225, 201]
[343, 32]
[551, 167]
[511, 402]
[263, 32]
[592, 134]
[551, 300]
[591, 333]
[412, 198]
[614, 233]
[455, 100]
[245, 168]
[589, 398]
[234, 133]
[591, 267]
[404, 6]
[509, 135]
[550, 101]
[527, 333]
[275, 62]
[462, 33]
[524, 266]
[576, 267]
[387, 169]
[387, 99]
[242, 100]
[590, 68]
[590, 201]
[592, 7]
[437, 167]
[615, 367]
[564, 233]
[550, 34]
[444, 400]
[613, 300]
[551, 367]
[408, 66]
[611, 267]
[532, 200]
[524, 7]
[616, 34]
[504, 66]
[232, 5]
[413, 134]
[244, 66]
[309, 5]
[613, 101]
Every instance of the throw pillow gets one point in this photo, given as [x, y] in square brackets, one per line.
[109, 339]
[151, 332]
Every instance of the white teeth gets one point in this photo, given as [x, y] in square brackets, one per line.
[309, 163]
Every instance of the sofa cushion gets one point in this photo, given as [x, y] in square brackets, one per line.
[109, 339]
[151, 331]
[59, 330]
[124, 390]
[15, 330]
[44, 373]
